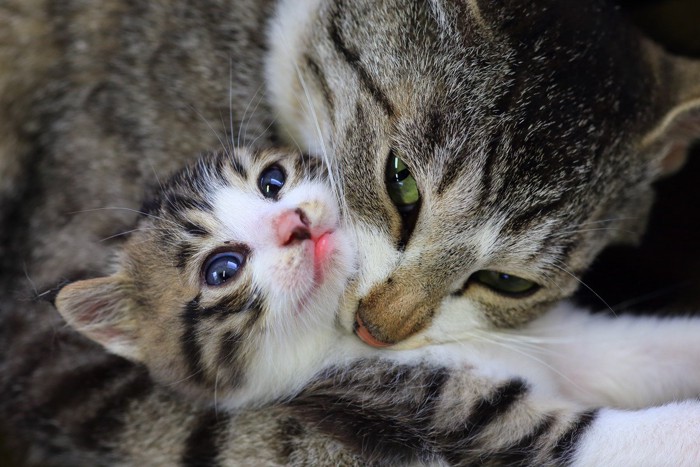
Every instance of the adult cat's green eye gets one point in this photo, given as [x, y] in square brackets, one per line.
[400, 184]
[503, 283]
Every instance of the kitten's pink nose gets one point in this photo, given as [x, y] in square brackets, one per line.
[292, 226]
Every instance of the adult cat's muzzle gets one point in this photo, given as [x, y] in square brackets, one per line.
[393, 312]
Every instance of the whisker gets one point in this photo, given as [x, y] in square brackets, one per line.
[127, 232]
[223, 146]
[245, 114]
[115, 208]
[563, 269]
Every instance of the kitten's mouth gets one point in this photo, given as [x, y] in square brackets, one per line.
[323, 247]
[363, 333]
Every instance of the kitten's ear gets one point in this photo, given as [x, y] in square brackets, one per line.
[101, 310]
[679, 122]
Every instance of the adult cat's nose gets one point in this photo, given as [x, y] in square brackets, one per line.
[394, 311]
[292, 226]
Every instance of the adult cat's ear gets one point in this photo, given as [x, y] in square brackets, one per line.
[678, 123]
[100, 309]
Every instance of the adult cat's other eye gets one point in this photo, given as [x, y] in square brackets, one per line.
[505, 284]
[221, 267]
[403, 192]
[400, 184]
[271, 181]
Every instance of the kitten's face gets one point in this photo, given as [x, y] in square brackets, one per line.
[522, 126]
[237, 266]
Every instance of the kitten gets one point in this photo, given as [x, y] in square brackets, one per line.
[473, 142]
[229, 289]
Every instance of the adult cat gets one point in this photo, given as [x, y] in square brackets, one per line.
[511, 144]
[229, 288]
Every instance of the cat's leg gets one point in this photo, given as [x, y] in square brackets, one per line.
[407, 413]
[623, 361]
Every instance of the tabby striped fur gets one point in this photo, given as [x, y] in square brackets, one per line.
[531, 397]
[476, 96]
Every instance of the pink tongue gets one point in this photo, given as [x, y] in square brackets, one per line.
[321, 249]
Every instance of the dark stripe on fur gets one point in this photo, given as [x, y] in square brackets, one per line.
[229, 357]
[176, 204]
[202, 445]
[534, 214]
[353, 59]
[195, 230]
[75, 385]
[525, 451]
[374, 410]
[565, 447]
[320, 76]
[482, 415]
[108, 421]
[487, 170]
[289, 433]
[190, 345]
[185, 251]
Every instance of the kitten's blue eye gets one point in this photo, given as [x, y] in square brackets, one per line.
[271, 181]
[506, 284]
[221, 267]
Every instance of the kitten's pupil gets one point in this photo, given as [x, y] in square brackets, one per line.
[401, 186]
[506, 284]
[271, 181]
[221, 267]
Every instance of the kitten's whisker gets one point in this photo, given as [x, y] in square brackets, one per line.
[272, 122]
[258, 99]
[223, 146]
[230, 101]
[229, 141]
[137, 211]
[127, 232]
[245, 114]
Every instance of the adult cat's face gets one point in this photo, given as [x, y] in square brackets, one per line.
[523, 126]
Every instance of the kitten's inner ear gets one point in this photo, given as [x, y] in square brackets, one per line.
[101, 310]
[680, 125]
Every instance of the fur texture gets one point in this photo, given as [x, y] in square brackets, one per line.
[547, 393]
[527, 128]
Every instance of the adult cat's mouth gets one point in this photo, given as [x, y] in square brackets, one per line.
[365, 335]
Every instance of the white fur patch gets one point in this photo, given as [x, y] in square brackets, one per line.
[299, 110]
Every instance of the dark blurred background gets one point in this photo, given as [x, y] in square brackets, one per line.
[662, 275]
